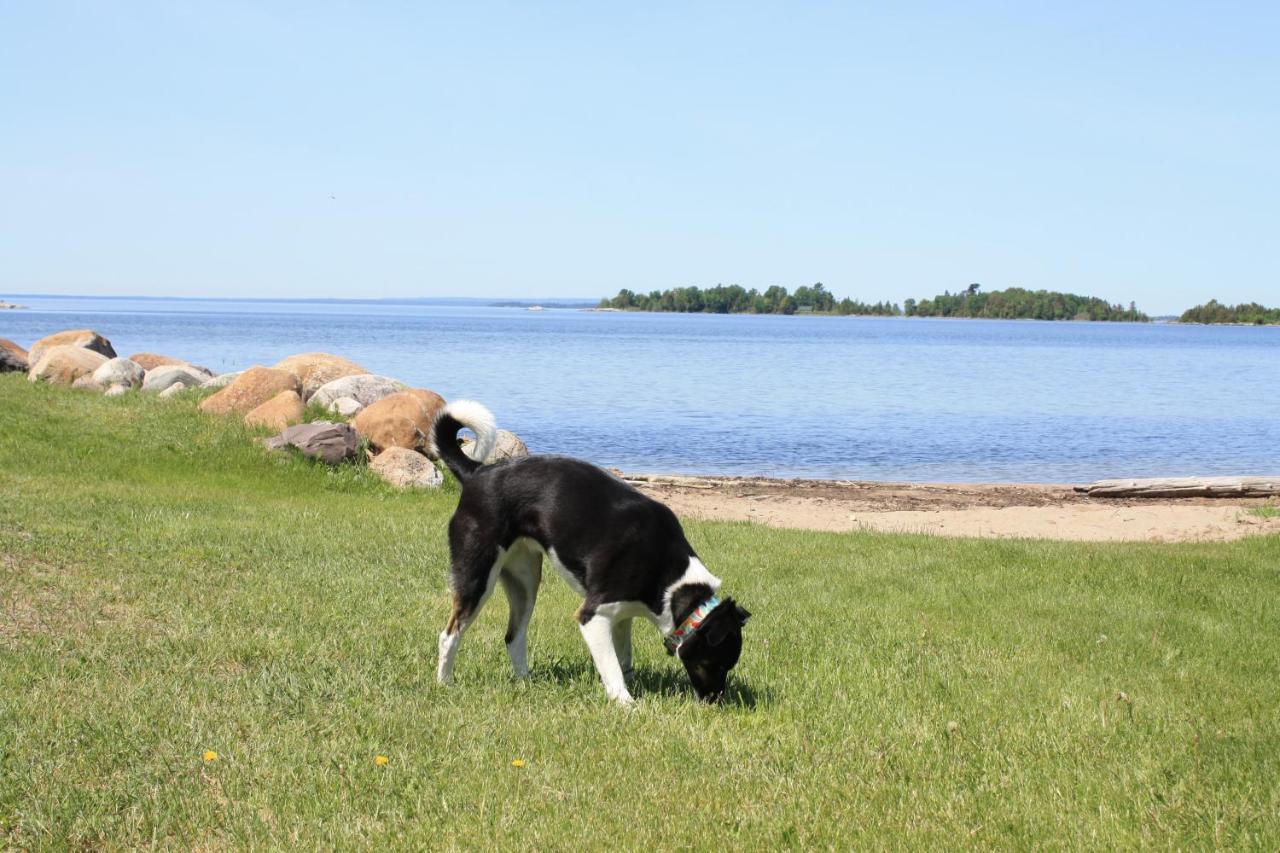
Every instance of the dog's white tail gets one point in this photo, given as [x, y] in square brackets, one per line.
[444, 436]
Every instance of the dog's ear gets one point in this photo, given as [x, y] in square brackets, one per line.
[740, 613]
[716, 630]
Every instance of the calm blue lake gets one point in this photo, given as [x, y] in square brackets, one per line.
[855, 398]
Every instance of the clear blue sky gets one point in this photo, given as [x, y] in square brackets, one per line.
[1127, 150]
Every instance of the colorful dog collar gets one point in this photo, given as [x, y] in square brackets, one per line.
[690, 625]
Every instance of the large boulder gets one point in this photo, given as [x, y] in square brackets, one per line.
[116, 391]
[250, 390]
[83, 338]
[406, 469]
[152, 360]
[65, 364]
[13, 357]
[315, 369]
[506, 445]
[401, 420]
[162, 378]
[119, 371]
[365, 389]
[328, 442]
[277, 413]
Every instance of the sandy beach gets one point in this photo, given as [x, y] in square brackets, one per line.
[987, 510]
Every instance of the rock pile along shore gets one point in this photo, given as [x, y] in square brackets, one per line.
[388, 419]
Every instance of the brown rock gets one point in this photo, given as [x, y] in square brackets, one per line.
[13, 357]
[401, 420]
[406, 469]
[151, 360]
[314, 369]
[65, 364]
[277, 413]
[250, 390]
[84, 338]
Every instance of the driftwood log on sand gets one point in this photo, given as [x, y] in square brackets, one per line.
[1185, 487]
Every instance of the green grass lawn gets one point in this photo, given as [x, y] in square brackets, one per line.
[168, 588]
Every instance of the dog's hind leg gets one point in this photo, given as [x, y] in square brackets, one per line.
[598, 632]
[520, 577]
[473, 579]
[622, 645]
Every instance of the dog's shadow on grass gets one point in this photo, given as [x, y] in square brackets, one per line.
[668, 681]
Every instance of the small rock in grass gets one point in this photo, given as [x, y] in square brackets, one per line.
[172, 391]
[348, 407]
[117, 390]
[406, 469]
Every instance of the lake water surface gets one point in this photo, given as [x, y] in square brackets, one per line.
[851, 398]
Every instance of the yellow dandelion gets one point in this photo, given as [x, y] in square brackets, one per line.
[210, 755]
[380, 760]
[519, 762]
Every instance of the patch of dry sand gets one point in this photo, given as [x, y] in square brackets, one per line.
[986, 510]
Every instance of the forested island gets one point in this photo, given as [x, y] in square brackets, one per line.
[1213, 311]
[1014, 303]
[1017, 303]
[734, 299]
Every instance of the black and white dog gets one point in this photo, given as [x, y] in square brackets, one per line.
[622, 551]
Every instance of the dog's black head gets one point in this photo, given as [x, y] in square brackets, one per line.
[713, 650]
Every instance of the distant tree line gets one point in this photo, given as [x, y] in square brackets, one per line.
[1017, 303]
[1012, 303]
[735, 299]
[1214, 311]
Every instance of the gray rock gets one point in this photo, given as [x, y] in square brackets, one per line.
[117, 390]
[119, 371]
[173, 390]
[222, 380]
[346, 406]
[406, 469]
[163, 378]
[329, 442]
[507, 445]
[364, 389]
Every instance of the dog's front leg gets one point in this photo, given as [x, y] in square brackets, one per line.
[622, 645]
[598, 632]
